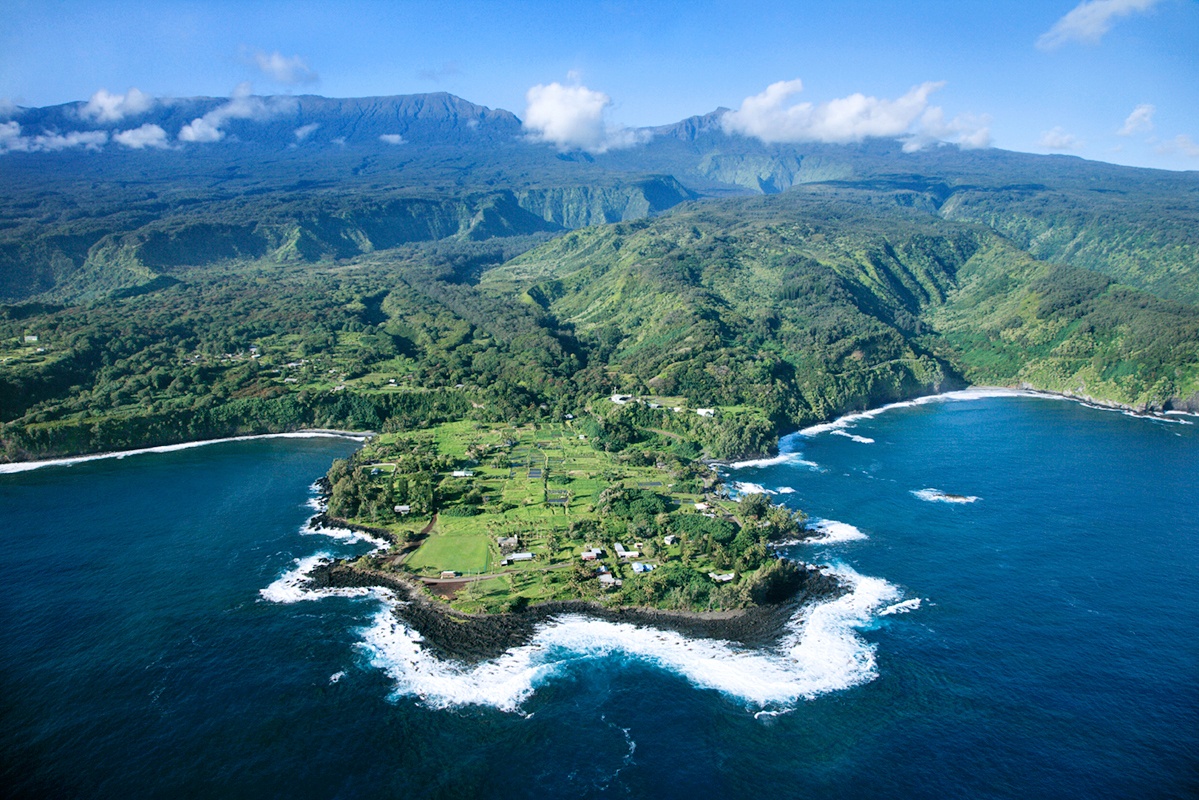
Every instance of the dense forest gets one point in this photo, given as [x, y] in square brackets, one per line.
[155, 297]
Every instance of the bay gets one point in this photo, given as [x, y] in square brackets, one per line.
[1036, 642]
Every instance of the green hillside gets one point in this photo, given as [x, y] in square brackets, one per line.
[266, 283]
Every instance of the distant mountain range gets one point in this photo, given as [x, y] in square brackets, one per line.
[434, 236]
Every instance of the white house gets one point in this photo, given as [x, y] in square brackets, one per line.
[706, 412]
[621, 552]
[721, 578]
[462, 473]
[403, 509]
[621, 399]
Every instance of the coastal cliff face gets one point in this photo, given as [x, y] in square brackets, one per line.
[477, 637]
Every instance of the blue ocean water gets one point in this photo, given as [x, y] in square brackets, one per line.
[1036, 641]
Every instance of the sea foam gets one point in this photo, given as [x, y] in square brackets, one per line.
[347, 536]
[853, 436]
[938, 496]
[834, 532]
[25, 466]
[820, 652]
[745, 487]
[977, 393]
[789, 453]
[293, 586]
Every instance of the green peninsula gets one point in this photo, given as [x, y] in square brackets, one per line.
[494, 517]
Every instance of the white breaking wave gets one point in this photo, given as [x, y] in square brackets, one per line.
[938, 496]
[821, 652]
[855, 437]
[292, 586]
[835, 532]
[745, 487]
[785, 490]
[789, 453]
[336, 676]
[25, 466]
[902, 607]
[348, 536]
[977, 393]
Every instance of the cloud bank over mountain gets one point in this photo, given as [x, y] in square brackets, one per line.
[771, 117]
[574, 118]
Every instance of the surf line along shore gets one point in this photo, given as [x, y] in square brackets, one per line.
[477, 637]
[66, 461]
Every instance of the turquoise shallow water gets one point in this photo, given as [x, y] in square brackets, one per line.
[1051, 652]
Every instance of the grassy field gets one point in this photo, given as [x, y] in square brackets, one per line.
[539, 483]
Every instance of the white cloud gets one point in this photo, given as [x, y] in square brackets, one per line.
[7, 107]
[304, 131]
[106, 107]
[572, 118]
[1089, 21]
[1140, 120]
[201, 130]
[1058, 139]
[292, 71]
[147, 135]
[968, 131]
[242, 105]
[392, 138]
[12, 141]
[1180, 144]
[772, 117]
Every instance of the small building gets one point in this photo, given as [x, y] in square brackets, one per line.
[448, 573]
[670, 539]
[621, 399]
[592, 553]
[568, 416]
[402, 510]
[607, 580]
[520, 557]
[638, 567]
[30, 338]
[462, 473]
[706, 412]
[506, 542]
[702, 506]
[721, 577]
[621, 552]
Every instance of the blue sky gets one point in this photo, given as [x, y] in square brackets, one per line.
[1114, 80]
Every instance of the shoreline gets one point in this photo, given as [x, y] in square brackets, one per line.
[959, 395]
[13, 467]
[478, 637]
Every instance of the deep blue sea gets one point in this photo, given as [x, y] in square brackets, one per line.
[1025, 577]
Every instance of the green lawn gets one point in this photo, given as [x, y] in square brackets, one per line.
[466, 554]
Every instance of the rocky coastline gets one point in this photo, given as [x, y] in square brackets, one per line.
[476, 637]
